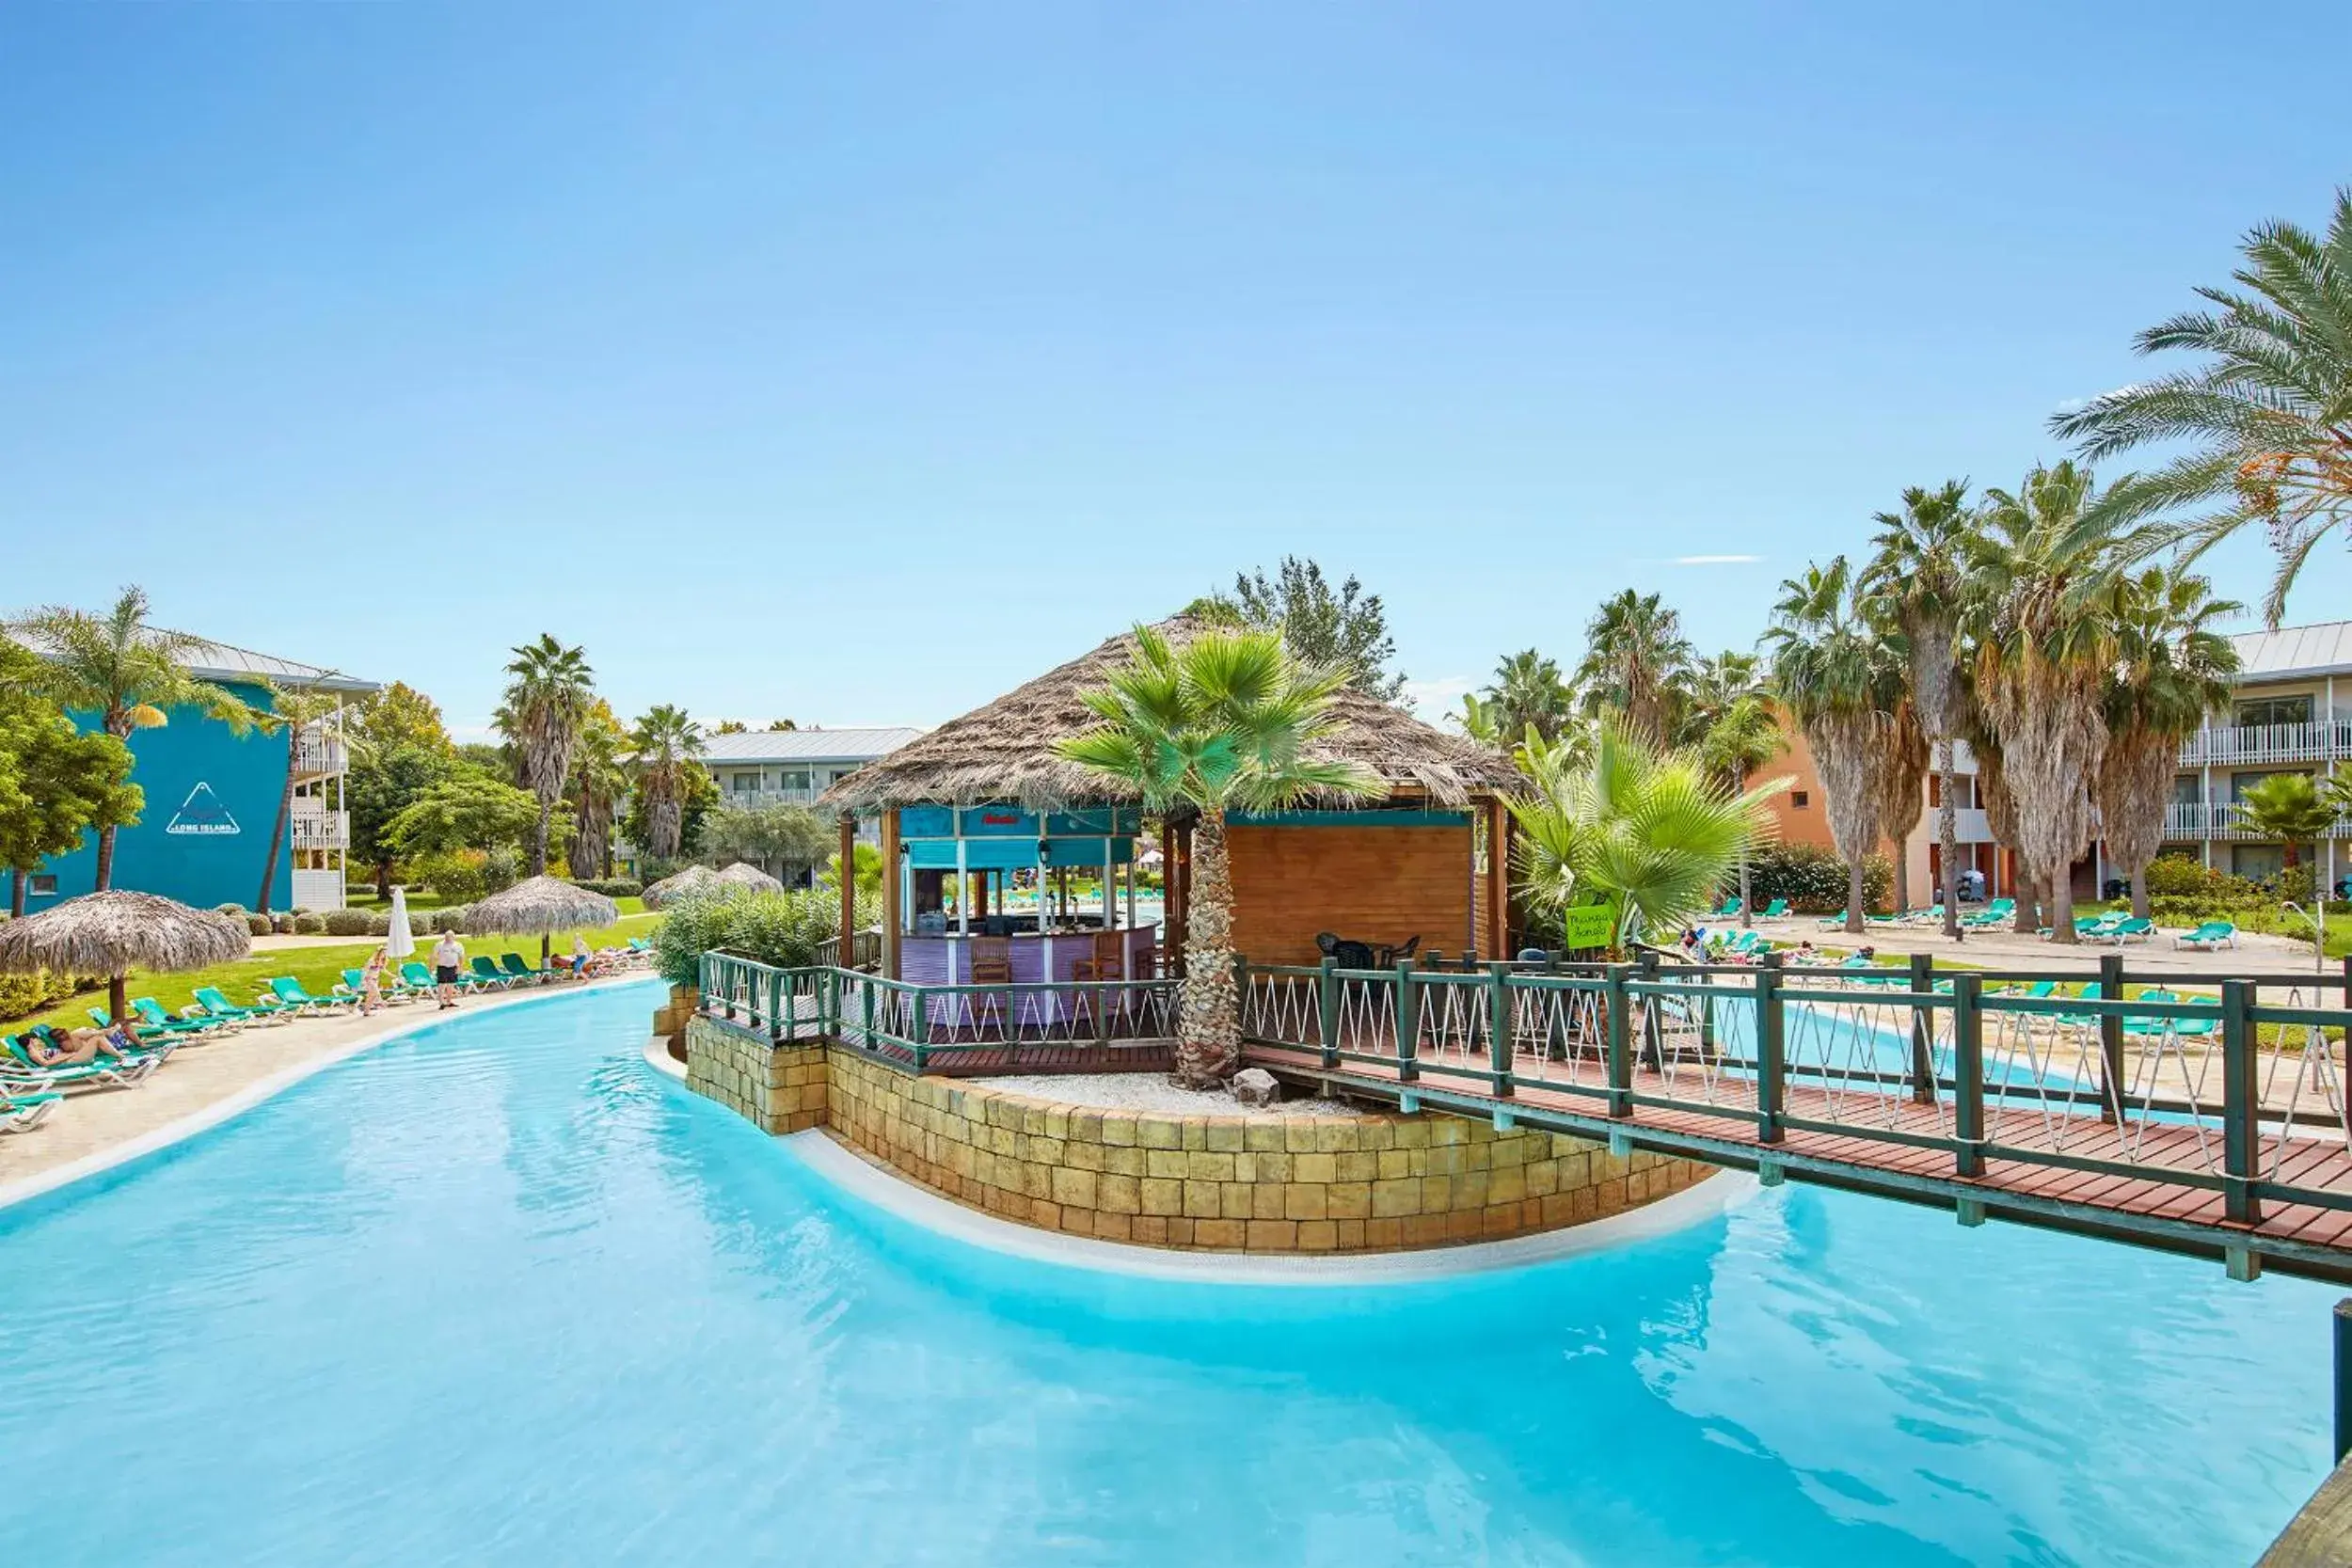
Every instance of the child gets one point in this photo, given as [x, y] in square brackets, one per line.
[371, 982]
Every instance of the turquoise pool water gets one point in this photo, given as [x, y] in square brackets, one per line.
[498, 1293]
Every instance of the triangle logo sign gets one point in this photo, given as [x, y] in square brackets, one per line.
[202, 816]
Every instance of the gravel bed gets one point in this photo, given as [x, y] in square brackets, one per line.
[1153, 1092]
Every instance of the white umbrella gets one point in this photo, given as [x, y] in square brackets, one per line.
[398, 944]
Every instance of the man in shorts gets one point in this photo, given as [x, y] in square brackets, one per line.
[449, 961]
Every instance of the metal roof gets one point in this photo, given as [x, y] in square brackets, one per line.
[2323, 649]
[856, 745]
[223, 661]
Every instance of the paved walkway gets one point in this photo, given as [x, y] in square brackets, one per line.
[2255, 954]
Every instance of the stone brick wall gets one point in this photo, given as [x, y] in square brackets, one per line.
[1368, 1182]
[778, 1090]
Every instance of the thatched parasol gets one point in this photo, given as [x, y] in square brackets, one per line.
[111, 933]
[694, 878]
[1007, 750]
[542, 904]
[743, 874]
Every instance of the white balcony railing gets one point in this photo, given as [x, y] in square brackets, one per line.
[317, 753]
[315, 828]
[2223, 820]
[2237, 743]
[751, 799]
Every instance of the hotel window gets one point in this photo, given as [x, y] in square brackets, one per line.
[2184, 789]
[2262, 711]
[793, 778]
[1799, 799]
[42, 886]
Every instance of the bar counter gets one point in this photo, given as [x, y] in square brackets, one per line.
[947, 961]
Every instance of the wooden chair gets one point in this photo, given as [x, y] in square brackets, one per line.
[991, 961]
[1106, 961]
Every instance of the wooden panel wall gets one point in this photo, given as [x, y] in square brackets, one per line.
[1372, 884]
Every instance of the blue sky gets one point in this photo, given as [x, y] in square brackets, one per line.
[853, 364]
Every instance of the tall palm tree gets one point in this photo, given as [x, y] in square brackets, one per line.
[1830, 670]
[1902, 776]
[1528, 692]
[1634, 654]
[2288, 807]
[1712, 686]
[599, 782]
[1646, 828]
[665, 743]
[293, 710]
[129, 673]
[1228, 722]
[2042, 620]
[1920, 577]
[1742, 738]
[2171, 670]
[546, 701]
[2269, 414]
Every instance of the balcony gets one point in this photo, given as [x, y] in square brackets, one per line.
[753, 799]
[2237, 743]
[318, 753]
[2223, 819]
[312, 827]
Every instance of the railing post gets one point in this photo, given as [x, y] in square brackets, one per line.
[1327, 1012]
[1620, 1024]
[1922, 1030]
[775, 1005]
[1498, 1024]
[865, 996]
[2240, 1147]
[921, 1030]
[1653, 1032]
[791, 1009]
[1968, 1070]
[1407, 1022]
[2111, 1039]
[1772, 1085]
[702, 983]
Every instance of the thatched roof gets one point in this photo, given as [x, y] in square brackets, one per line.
[743, 874]
[694, 878]
[541, 905]
[114, 932]
[1004, 751]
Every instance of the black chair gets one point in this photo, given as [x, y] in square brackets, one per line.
[1347, 955]
[1390, 957]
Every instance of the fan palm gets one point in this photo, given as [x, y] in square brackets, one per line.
[666, 743]
[1634, 654]
[294, 710]
[1920, 577]
[2269, 414]
[599, 782]
[2288, 807]
[1742, 738]
[1528, 692]
[1902, 776]
[2043, 619]
[1712, 686]
[130, 675]
[1647, 829]
[1228, 722]
[2171, 670]
[1831, 673]
[547, 702]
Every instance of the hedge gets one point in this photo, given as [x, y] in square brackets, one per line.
[612, 887]
[1811, 876]
[22, 995]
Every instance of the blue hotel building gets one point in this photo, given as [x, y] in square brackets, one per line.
[213, 797]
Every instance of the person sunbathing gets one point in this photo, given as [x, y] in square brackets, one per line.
[80, 1046]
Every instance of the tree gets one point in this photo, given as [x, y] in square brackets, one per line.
[2269, 414]
[666, 743]
[2042, 618]
[1648, 828]
[129, 673]
[55, 782]
[1919, 580]
[1230, 721]
[2289, 808]
[293, 710]
[866, 862]
[1712, 686]
[599, 784]
[466, 810]
[1634, 655]
[1480, 720]
[779, 839]
[546, 701]
[1528, 692]
[1742, 738]
[2171, 670]
[1345, 630]
[779, 726]
[1830, 672]
[381, 784]
[1902, 776]
[400, 715]
[730, 726]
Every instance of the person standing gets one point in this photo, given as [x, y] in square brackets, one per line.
[449, 960]
[371, 982]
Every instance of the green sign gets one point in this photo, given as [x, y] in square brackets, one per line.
[1589, 925]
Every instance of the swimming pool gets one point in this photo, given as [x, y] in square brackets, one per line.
[496, 1292]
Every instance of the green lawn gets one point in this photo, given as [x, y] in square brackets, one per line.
[365, 899]
[316, 967]
[2276, 921]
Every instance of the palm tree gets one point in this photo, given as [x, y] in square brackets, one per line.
[130, 675]
[1920, 577]
[2288, 807]
[599, 781]
[2171, 670]
[293, 710]
[1712, 686]
[1227, 721]
[1902, 776]
[2042, 620]
[666, 743]
[1650, 829]
[2270, 414]
[545, 704]
[1634, 654]
[1830, 670]
[1529, 693]
[1742, 738]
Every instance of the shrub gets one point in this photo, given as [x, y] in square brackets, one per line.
[613, 887]
[1812, 878]
[22, 995]
[308, 925]
[460, 876]
[235, 911]
[787, 930]
[502, 868]
[259, 925]
[379, 923]
[282, 924]
[351, 922]
[452, 917]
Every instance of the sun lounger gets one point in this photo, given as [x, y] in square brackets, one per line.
[18, 1067]
[484, 972]
[21, 1113]
[1774, 910]
[144, 1028]
[2212, 934]
[1997, 913]
[513, 965]
[220, 1007]
[288, 990]
[2191, 1028]
[2134, 929]
[1731, 907]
